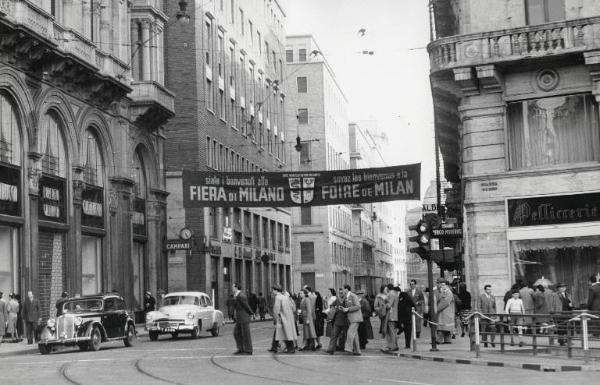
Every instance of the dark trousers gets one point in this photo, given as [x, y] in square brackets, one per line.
[405, 326]
[243, 340]
[362, 334]
[487, 328]
[337, 333]
[31, 331]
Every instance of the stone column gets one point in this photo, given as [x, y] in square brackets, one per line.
[121, 238]
[74, 257]
[105, 26]
[136, 49]
[145, 51]
[32, 259]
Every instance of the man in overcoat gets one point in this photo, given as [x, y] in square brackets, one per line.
[405, 306]
[241, 331]
[339, 323]
[352, 310]
[283, 319]
[31, 316]
[594, 303]
[445, 312]
[391, 320]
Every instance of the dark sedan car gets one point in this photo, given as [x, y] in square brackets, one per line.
[87, 322]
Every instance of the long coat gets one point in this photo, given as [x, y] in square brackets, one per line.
[242, 309]
[31, 311]
[283, 314]
[594, 297]
[13, 315]
[3, 317]
[365, 325]
[418, 299]
[308, 319]
[445, 311]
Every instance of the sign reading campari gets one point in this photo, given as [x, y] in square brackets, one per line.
[314, 188]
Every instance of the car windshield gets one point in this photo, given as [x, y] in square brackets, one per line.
[179, 300]
[82, 305]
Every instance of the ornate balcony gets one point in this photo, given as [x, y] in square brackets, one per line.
[49, 50]
[530, 42]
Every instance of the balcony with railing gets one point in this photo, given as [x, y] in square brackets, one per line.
[515, 44]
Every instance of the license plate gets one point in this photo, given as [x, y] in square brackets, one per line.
[167, 330]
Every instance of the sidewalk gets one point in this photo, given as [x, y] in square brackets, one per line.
[458, 352]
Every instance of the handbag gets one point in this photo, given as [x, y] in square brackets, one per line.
[331, 315]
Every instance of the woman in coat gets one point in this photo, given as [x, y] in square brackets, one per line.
[380, 308]
[13, 314]
[319, 320]
[309, 333]
[445, 312]
[331, 299]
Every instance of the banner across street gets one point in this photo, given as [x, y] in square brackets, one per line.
[314, 188]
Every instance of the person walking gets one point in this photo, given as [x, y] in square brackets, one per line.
[464, 309]
[526, 295]
[149, 302]
[541, 306]
[405, 306]
[391, 320]
[283, 319]
[593, 303]
[515, 309]
[416, 295]
[309, 334]
[380, 308]
[445, 312]
[331, 298]
[13, 316]
[241, 331]
[365, 330]
[339, 321]
[3, 316]
[352, 310]
[565, 306]
[319, 318]
[487, 305]
[262, 306]
[31, 316]
[253, 302]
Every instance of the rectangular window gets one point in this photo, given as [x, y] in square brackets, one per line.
[302, 86]
[307, 253]
[305, 152]
[555, 130]
[91, 257]
[302, 54]
[307, 279]
[9, 257]
[306, 215]
[544, 11]
[289, 55]
[302, 116]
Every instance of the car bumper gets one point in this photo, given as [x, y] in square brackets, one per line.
[63, 341]
[169, 327]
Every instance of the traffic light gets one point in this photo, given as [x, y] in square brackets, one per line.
[423, 239]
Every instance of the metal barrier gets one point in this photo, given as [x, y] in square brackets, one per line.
[574, 331]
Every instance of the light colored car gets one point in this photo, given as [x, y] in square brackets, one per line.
[184, 312]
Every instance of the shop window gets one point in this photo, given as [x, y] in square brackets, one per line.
[555, 130]
[307, 253]
[544, 11]
[93, 166]
[91, 257]
[9, 254]
[571, 261]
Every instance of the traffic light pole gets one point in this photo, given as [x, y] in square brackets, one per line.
[432, 327]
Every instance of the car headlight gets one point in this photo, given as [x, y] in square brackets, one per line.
[190, 315]
[51, 323]
[78, 321]
[148, 317]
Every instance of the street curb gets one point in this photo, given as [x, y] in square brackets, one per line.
[540, 367]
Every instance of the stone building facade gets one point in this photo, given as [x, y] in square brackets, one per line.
[516, 90]
[82, 187]
[228, 68]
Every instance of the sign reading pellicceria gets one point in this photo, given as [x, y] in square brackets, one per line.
[314, 188]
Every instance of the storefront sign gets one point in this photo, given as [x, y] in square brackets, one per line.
[92, 199]
[52, 199]
[316, 188]
[549, 210]
[179, 244]
[138, 217]
[447, 233]
[9, 190]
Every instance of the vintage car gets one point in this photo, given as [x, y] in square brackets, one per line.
[184, 312]
[87, 322]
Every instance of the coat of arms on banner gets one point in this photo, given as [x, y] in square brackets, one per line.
[302, 189]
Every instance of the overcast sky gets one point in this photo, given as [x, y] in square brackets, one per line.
[392, 85]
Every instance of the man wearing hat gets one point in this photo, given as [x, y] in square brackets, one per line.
[445, 311]
[283, 319]
[566, 305]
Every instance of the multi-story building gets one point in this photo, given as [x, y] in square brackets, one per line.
[82, 188]
[316, 112]
[228, 68]
[372, 223]
[516, 88]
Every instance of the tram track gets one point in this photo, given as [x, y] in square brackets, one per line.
[63, 371]
[233, 371]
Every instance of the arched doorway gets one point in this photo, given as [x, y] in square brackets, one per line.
[11, 166]
[52, 212]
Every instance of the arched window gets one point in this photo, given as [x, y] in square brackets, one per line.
[10, 138]
[93, 165]
[139, 176]
[52, 147]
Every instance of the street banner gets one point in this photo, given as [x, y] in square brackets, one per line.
[310, 188]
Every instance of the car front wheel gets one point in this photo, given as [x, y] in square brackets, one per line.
[95, 339]
[130, 337]
[44, 348]
[175, 335]
[153, 335]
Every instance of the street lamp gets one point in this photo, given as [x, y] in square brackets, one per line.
[182, 14]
